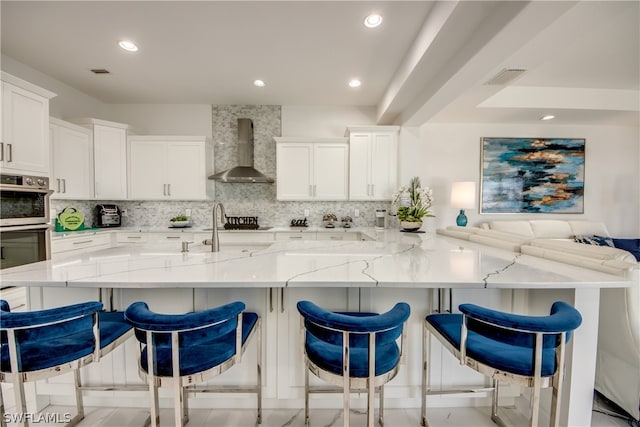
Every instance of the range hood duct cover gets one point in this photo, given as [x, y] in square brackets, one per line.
[244, 172]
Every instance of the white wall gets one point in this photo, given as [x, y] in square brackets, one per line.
[69, 102]
[451, 152]
[323, 121]
[164, 119]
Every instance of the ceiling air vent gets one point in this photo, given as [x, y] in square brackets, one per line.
[100, 71]
[505, 76]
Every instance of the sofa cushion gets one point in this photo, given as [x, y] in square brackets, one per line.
[551, 229]
[630, 245]
[517, 227]
[589, 228]
[591, 251]
[501, 235]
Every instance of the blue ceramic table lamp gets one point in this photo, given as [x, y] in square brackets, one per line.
[463, 196]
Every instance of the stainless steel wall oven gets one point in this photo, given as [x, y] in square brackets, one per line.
[25, 232]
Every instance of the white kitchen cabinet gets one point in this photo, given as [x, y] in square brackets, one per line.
[76, 244]
[109, 157]
[71, 161]
[373, 162]
[312, 168]
[25, 127]
[170, 168]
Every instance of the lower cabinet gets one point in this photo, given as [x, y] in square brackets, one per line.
[70, 245]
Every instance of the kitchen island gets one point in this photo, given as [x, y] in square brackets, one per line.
[340, 275]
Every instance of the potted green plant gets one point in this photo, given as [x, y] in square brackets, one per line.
[413, 203]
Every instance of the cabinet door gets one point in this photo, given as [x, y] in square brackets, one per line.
[71, 176]
[384, 165]
[359, 166]
[186, 176]
[294, 170]
[147, 170]
[25, 131]
[331, 165]
[110, 162]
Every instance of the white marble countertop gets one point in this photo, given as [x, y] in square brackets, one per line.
[393, 259]
[56, 235]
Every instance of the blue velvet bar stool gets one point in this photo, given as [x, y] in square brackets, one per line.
[37, 345]
[186, 349]
[527, 351]
[356, 351]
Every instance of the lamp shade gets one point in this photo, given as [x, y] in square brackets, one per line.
[463, 195]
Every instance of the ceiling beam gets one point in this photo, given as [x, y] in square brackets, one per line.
[472, 40]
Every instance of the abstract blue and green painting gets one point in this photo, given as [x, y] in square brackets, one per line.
[528, 175]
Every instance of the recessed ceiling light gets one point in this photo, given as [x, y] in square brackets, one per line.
[355, 83]
[372, 20]
[548, 117]
[128, 45]
[259, 83]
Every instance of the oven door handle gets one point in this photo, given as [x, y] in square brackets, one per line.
[22, 189]
[27, 227]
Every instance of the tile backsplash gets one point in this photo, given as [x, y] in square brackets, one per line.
[156, 214]
[238, 199]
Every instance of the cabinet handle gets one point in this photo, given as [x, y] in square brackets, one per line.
[295, 237]
[314, 190]
[168, 189]
[58, 179]
[82, 242]
[172, 237]
[373, 190]
[2, 257]
[134, 237]
[281, 300]
[335, 238]
[164, 189]
[1, 151]
[311, 190]
[64, 185]
[10, 147]
[270, 300]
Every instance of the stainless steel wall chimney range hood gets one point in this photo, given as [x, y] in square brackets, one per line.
[244, 172]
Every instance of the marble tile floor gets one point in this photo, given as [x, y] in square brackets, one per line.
[463, 417]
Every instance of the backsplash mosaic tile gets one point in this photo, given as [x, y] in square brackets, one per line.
[238, 199]
[156, 214]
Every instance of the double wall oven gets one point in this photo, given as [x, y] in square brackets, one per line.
[25, 231]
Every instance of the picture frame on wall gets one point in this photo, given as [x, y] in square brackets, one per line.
[532, 175]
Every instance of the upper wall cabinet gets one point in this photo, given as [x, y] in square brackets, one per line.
[71, 160]
[170, 168]
[312, 168]
[373, 162]
[25, 127]
[109, 156]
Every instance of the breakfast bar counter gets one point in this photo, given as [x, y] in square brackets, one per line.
[341, 275]
[392, 259]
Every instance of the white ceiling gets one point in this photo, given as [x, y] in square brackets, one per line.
[428, 62]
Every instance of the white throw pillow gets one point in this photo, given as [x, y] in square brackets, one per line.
[589, 228]
[551, 229]
[517, 227]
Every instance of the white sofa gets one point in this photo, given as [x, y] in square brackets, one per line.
[618, 359]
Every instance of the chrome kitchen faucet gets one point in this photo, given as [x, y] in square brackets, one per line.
[215, 241]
